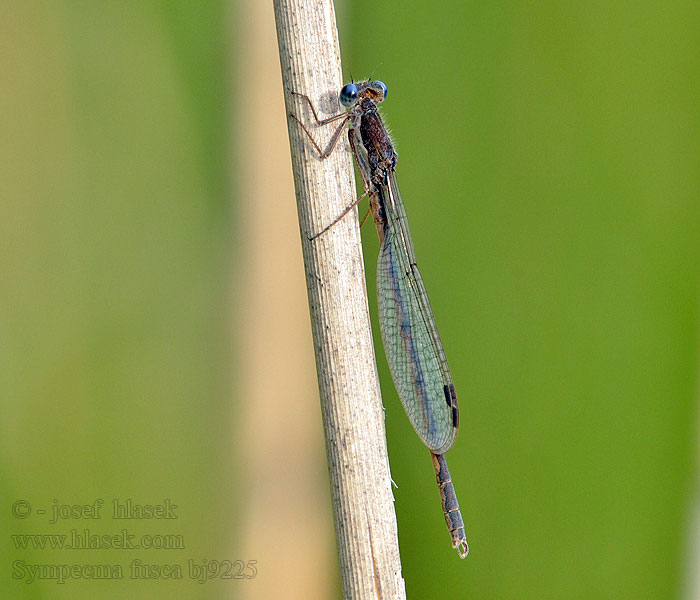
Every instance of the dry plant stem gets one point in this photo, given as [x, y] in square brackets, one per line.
[352, 413]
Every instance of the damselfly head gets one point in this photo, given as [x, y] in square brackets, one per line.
[374, 90]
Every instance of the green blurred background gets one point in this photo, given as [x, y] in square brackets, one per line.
[549, 163]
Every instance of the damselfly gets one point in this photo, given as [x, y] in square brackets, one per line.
[411, 341]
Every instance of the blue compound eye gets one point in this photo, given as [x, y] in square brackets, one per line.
[348, 94]
[381, 85]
